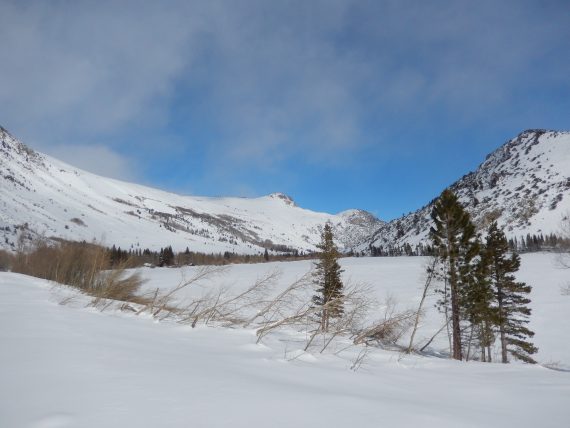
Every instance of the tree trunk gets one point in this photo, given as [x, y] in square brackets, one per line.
[324, 320]
[502, 325]
[455, 321]
[430, 274]
[447, 319]
[469, 343]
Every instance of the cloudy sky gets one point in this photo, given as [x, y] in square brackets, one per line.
[341, 104]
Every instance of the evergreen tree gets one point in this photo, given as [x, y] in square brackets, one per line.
[171, 260]
[511, 298]
[327, 278]
[266, 255]
[113, 255]
[454, 241]
[477, 304]
[166, 257]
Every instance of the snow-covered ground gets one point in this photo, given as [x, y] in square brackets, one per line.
[402, 278]
[66, 365]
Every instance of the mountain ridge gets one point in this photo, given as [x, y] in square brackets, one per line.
[43, 196]
[524, 185]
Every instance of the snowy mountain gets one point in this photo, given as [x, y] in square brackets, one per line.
[524, 185]
[43, 196]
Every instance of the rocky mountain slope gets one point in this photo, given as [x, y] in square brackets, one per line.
[524, 185]
[43, 196]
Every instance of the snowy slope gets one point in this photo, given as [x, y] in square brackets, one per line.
[72, 366]
[524, 185]
[41, 195]
[403, 278]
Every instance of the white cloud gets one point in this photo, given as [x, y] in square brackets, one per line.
[274, 80]
[97, 159]
[82, 68]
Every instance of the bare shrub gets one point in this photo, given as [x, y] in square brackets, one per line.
[116, 284]
[6, 260]
[360, 358]
[284, 303]
[161, 304]
[357, 303]
[232, 309]
[390, 329]
[430, 275]
[64, 301]
[292, 307]
[296, 310]
[80, 265]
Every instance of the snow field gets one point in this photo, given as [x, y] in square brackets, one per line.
[65, 365]
[402, 279]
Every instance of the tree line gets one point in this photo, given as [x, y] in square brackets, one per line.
[532, 243]
[523, 244]
[166, 256]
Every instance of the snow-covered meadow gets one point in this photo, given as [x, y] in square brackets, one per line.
[67, 365]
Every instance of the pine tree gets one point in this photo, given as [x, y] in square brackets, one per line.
[477, 304]
[511, 298]
[454, 241]
[170, 256]
[166, 257]
[161, 258]
[113, 256]
[327, 278]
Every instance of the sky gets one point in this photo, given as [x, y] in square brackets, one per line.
[377, 105]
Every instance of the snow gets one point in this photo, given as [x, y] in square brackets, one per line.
[46, 194]
[521, 183]
[68, 365]
[524, 185]
[402, 278]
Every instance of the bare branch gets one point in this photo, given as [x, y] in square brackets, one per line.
[430, 274]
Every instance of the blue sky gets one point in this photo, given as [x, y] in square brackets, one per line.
[341, 104]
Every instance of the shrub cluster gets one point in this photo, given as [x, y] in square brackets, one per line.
[81, 265]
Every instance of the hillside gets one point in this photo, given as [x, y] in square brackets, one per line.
[524, 185]
[43, 196]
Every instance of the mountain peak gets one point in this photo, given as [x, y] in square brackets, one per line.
[11, 147]
[540, 131]
[359, 216]
[283, 197]
[42, 196]
[534, 135]
[524, 185]
[536, 131]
